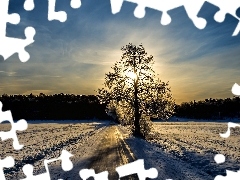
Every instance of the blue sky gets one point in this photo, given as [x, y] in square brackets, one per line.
[73, 57]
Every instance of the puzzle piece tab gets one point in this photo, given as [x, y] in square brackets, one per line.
[153, 4]
[60, 15]
[5, 163]
[227, 7]
[230, 125]
[230, 176]
[219, 158]
[192, 9]
[28, 171]
[21, 125]
[236, 89]
[29, 5]
[87, 173]
[8, 45]
[66, 166]
[137, 167]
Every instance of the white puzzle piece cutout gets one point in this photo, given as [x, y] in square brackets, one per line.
[220, 158]
[230, 176]
[60, 15]
[20, 125]
[87, 173]
[29, 5]
[137, 167]
[230, 125]
[236, 89]
[192, 9]
[66, 166]
[9, 45]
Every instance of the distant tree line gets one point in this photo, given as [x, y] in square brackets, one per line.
[210, 109]
[79, 107]
[54, 107]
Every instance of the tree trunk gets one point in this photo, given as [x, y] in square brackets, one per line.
[137, 130]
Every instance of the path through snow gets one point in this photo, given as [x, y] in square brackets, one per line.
[104, 147]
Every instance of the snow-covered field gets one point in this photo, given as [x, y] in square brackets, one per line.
[196, 143]
[186, 150]
[179, 150]
[47, 140]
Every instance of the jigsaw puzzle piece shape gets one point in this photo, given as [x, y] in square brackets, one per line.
[219, 158]
[215, 28]
[236, 89]
[11, 45]
[231, 175]
[192, 9]
[66, 166]
[76, 4]
[237, 30]
[28, 171]
[53, 15]
[139, 12]
[8, 45]
[60, 15]
[116, 6]
[137, 167]
[230, 125]
[87, 173]
[20, 125]
[29, 5]
[5, 163]
[227, 7]
[157, 5]
[5, 17]
[13, 18]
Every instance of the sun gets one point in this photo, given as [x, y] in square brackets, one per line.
[131, 75]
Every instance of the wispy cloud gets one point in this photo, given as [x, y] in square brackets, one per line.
[73, 57]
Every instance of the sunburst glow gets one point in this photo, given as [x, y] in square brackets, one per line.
[131, 75]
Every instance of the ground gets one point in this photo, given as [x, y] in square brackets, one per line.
[178, 150]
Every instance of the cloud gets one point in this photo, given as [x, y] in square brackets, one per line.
[73, 57]
[4, 73]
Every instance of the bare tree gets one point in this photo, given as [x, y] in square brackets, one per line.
[133, 82]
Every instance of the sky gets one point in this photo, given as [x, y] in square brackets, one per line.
[73, 57]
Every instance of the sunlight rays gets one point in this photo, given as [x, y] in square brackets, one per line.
[131, 75]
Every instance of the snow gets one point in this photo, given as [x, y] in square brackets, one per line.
[186, 150]
[47, 140]
[179, 150]
[177, 119]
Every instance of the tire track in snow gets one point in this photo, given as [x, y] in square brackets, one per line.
[112, 152]
[50, 152]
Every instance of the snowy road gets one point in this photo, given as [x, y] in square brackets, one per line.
[113, 152]
[179, 151]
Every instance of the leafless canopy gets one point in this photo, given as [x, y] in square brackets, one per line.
[133, 82]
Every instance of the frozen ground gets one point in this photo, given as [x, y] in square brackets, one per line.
[47, 140]
[179, 150]
[196, 143]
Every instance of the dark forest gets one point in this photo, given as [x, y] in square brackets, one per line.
[54, 107]
[80, 107]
